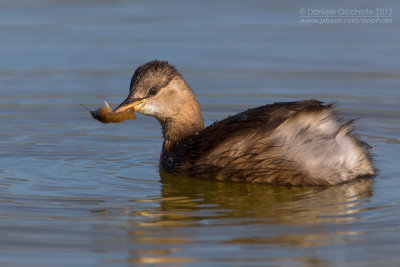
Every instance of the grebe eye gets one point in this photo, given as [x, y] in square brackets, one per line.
[153, 91]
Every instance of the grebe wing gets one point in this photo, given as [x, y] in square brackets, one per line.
[241, 142]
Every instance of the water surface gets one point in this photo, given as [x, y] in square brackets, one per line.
[74, 192]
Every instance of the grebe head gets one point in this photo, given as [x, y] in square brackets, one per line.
[157, 89]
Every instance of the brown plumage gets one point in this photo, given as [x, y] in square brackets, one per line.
[293, 143]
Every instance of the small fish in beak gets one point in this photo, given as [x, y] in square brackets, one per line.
[105, 114]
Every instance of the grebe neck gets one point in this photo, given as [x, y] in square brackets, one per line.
[178, 129]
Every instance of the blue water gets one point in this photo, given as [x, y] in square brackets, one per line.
[74, 192]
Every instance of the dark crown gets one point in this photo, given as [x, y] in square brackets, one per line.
[155, 68]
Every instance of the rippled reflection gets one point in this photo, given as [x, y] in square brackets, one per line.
[299, 213]
[273, 204]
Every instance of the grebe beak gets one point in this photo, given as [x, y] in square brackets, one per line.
[129, 102]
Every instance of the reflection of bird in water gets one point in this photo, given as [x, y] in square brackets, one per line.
[277, 204]
[191, 211]
[297, 143]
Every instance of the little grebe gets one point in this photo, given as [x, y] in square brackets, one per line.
[290, 143]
